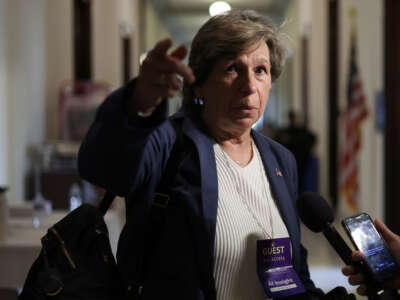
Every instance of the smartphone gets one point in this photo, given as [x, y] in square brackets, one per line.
[364, 236]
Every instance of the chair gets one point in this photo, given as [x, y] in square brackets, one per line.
[78, 101]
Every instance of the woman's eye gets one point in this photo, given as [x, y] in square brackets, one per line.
[231, 68]
[261, 70]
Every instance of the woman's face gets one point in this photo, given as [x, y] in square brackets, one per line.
[237, 89]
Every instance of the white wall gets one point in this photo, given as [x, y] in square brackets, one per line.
[3, 97]
[294, 29]
[26, 77]
[106, 42]
[59, 60]
[107, 50]
[154, 30]
[317, 88]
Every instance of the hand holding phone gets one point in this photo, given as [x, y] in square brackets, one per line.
[380, 264]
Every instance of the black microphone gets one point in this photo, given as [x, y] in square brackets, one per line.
[317, 215]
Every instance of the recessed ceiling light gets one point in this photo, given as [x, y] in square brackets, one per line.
[219, 7]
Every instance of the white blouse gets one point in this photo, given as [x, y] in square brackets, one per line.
[247, 212]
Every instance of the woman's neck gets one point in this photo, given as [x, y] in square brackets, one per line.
[241, 152]
[222, 131]
[235, 142]
[239, 149]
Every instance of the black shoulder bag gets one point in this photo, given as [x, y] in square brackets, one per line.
[76, 261]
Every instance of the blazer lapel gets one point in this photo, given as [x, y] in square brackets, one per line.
[276, 176]
[194, 129]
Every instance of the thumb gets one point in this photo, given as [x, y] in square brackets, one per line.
[386, 233]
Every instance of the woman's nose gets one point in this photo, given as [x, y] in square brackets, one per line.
[248, 84]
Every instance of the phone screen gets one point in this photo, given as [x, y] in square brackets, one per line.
[367, 239]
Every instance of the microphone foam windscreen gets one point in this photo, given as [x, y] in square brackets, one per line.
[314, 211]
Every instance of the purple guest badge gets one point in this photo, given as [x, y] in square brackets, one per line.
[274, 268]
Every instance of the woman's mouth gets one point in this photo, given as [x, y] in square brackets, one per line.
[246, 108]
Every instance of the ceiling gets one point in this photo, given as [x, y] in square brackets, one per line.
[184, 17]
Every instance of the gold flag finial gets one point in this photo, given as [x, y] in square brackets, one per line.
[353, 13]
[353, 19]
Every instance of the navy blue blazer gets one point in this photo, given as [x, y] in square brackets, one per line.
[127, 156]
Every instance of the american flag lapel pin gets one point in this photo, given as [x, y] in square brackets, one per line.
[278, 172]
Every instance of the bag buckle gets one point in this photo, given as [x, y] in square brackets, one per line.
[161, 200]
[135, 290]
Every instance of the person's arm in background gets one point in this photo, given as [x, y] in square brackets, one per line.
[393, 242]
[111, 152]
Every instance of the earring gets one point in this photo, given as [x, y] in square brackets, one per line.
[198, 100]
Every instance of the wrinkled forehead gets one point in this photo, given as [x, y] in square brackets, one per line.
[259, 51]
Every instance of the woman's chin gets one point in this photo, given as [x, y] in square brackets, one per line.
[245, 123]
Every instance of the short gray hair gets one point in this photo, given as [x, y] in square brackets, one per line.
[227, 35]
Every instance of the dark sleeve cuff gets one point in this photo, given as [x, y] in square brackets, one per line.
[114, 110]
[157, 116]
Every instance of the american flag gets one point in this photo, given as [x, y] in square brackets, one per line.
[351, 120]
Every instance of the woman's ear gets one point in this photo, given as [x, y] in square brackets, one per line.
[197, 92]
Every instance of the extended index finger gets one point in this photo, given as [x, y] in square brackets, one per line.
[162, 47]
[180, 52]
[172, 65]
[185, 71]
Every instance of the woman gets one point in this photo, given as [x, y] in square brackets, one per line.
[234, 188]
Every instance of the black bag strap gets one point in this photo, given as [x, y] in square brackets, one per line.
[106, 202]
[174, 157]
